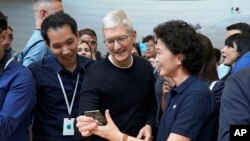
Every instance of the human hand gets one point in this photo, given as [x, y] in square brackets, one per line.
[167, 85]
[145, 133]
[109, 131]
[85, 125]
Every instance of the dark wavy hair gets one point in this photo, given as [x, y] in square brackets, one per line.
[55, 21]
[181, 38]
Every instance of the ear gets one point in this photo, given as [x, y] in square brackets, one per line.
[42, 14]
[133, 35]
[4, 35]
[47, 45]
[180, 58]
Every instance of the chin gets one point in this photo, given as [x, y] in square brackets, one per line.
[227, 63]
[121, 58]
[162, 73]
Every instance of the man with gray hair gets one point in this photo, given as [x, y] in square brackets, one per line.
[36, 48]
[126, 91]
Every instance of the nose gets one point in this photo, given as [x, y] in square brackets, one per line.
[224, 49]
[116, 45]
[83, 53]
[65, 50]
[157, 58]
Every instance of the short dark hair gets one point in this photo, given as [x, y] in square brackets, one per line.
[3, 22]
[243, 27]
[57, 20]
[148, 38]
[217, 54]
[180, 37]
[87, 31]
[242, 40]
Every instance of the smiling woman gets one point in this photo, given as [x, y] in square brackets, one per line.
[179, 56]
[85, 50]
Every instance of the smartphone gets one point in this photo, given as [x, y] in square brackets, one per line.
[97, 115]
[143, 47]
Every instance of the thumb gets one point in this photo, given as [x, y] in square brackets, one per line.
[108, 117]
[139, 136]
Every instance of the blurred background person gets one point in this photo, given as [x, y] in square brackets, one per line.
[89, 36]
[223, 70]
[36, 49]
[236, 52]
[150, 53]
[17, 93]
[85, 50]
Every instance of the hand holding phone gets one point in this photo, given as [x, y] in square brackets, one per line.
[97, 115]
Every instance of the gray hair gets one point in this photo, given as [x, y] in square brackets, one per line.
[116, 18]
[37, 4]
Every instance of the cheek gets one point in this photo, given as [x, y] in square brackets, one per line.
[88, 53]
[57, 52]
[164, 59]
[167, 64]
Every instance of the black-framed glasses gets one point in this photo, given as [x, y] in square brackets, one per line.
[120, 40]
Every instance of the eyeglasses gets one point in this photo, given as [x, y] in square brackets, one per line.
[120, 40]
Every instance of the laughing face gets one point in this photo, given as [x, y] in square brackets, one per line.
[167, 62]
[120, 44]
[63, 43]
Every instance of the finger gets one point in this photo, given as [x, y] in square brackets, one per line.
[170, 81]
[147, 136]
[85, 133]
[108, 117]
[83, 123]
[83, 129]
[139, 136]
[167, 87]
[84, 119]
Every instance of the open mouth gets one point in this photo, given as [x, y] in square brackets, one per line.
[224, 57]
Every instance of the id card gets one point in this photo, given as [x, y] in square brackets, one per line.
[68, 126]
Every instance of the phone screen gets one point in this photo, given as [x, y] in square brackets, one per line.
[97, 115]
[143, 47]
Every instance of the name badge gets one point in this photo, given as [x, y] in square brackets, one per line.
[68, 126]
